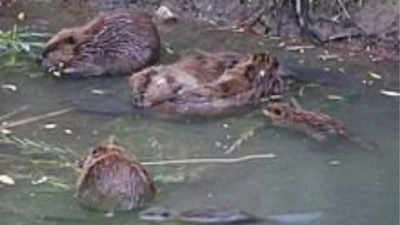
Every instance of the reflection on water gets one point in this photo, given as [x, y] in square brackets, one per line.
[349, 185]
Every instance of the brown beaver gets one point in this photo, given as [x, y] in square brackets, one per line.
[118, 42]
[110, 180]
[208, 84]
[317, 125]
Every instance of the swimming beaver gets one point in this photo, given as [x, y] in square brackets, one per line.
[200, 215]
[223, 215]
[208, 84]
[317, 125]
[118, 42]
[109, 180]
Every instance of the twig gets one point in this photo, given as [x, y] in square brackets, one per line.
[35, 147]
[295, 103]
[35, 118]
[344, 9]
[243, 138]
[210, 160]
[16, 111]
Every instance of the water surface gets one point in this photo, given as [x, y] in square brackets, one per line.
[362, 189]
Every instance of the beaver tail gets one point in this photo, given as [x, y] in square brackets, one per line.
[305, 73]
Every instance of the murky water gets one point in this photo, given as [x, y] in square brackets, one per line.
[361, 189]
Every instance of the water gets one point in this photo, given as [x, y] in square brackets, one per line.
[362, 189]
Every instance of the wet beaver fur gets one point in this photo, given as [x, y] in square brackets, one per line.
[208, 84]
[118, 42]
[317, 125]
[110, 180]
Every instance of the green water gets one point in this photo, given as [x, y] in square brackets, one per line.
[362, 189]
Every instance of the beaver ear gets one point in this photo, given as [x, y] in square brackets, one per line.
[95, 25]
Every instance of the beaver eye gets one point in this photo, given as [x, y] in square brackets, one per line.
[277, 112]
[94, 151]
[70, 40]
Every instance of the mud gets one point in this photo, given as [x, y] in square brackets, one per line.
[373, 27]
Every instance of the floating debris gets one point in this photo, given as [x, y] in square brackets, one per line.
[368, 82]
[5, 179]
[299, 47]
[57, 73]
[10, 87]
[154, 143]
[169, 50]
[41, 180]
[375, 76]
[334, 162]
[50, 126]
[335, 97]
[21, 16]
[390, 93]
[225, 125]
[68, 131]
[326, 57]
[6, 131]
[98, 91]
[167, 179]
[57, 184]
[274, 38]
[109, 214]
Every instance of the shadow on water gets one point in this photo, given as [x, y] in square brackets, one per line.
[350, 186]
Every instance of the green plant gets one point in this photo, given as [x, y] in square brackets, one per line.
[20, 41]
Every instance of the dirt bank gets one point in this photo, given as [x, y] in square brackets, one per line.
[367, 26]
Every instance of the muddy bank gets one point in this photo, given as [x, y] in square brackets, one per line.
[371, 26]
[360, 27]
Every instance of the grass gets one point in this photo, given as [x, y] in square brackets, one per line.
[17, 41]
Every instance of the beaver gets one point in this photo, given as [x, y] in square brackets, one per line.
[117, 42]
[211, 215]
[207, 84]
[110, 180]
[317, 125]
[223, 215]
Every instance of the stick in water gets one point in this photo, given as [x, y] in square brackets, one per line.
[35, 118]
[210, 160]
[10, 114]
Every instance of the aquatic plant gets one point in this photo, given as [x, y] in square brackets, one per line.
[17, 40]
[37, 147]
